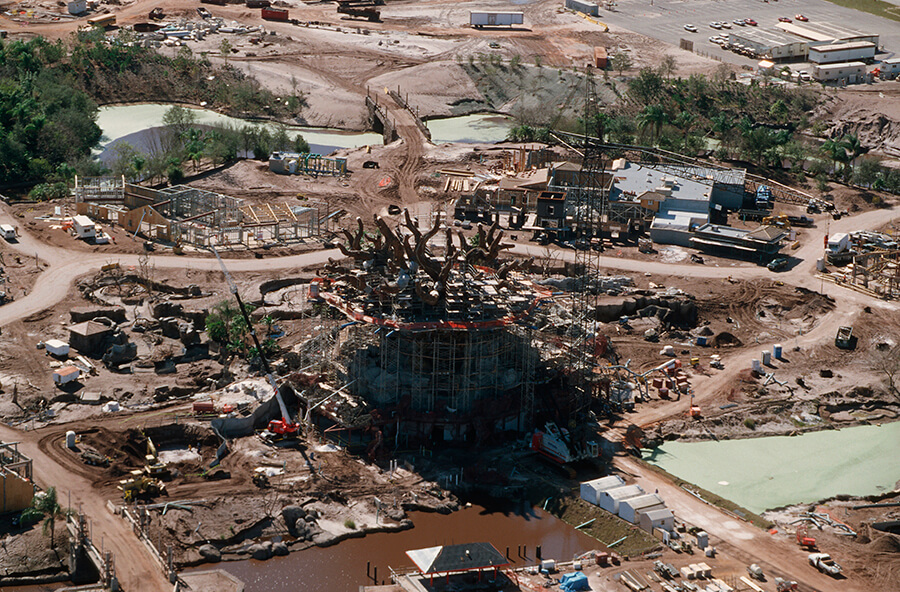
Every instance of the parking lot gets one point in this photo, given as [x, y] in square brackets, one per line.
[665, 20]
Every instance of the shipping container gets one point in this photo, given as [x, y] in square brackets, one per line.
[589, 8]
[495, 19]
[600, 58]
[275, 14]
[204, 407]
[258, 3]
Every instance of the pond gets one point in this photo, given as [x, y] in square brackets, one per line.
[132, 123]
[342, 568]
[765, 473]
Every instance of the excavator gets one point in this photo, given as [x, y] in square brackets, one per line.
[803, 538]
[140, 485]
[277, 429]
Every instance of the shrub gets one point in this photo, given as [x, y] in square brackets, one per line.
[349, 523]
[750, 423]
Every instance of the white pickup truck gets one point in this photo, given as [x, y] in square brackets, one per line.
[824, 563]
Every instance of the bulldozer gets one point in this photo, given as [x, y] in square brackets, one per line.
[140, 485]
[779, 220]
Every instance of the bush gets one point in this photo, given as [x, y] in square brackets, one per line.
[750, 423]
[349, 523]
[48, 191]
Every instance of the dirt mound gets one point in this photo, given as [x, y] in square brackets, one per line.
[887, 543]
[726, 339]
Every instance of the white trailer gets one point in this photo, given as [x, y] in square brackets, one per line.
[495, 19]
[832, 53]
[838, 243]
[84, 227]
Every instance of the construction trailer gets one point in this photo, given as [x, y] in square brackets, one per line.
[842, 72]
[849, 51]
[297, 163]
[479, 19]
[84, 227]
[588, 8]
[65, 375]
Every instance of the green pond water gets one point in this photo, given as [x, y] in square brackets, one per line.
[764, 473]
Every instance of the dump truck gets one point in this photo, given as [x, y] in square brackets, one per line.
[844, 338]
[824, 563]
[495, 19]
[94, 458]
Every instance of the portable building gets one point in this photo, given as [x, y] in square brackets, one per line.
[601, 58]
[8, 231]
[480, 19]
[56, 347]
[832, 53]
[609, 500]
[629, 508]
[591, 489]
[84, 227]
[66, 374]
[846, 72]
[653, 519]
[583, 7]
[890, 67]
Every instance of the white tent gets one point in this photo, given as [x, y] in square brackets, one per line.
[591, 489]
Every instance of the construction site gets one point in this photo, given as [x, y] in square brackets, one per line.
[381, 368]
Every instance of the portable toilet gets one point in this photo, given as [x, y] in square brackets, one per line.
[702, 539]
[70, 439]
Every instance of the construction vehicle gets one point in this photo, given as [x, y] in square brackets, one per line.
[94, 458]
[844, 338]
[756, 572]
[785, 585]
[779, 220]
[555, 443]
[154, 467]
[278, 429]
[140, 485]
[824, 563]
[260, 480]
[361, 9]
[803, 538]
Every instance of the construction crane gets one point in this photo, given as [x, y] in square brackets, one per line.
[284, 427]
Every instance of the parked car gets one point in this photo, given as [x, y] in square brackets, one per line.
[784, 19]
[715, 25]
[751, 22]
[800, 17]
[739, 22]
[778, 264]
[726, 25]
[690, 28]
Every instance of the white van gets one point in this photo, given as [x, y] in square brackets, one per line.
[7, 231]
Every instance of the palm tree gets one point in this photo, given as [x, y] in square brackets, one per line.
[836, 151]
[47, 507]
[654, 117]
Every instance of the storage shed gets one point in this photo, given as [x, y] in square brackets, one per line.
[663, 519]
[629, 508]
[590, 490]
[66, 374]
[84, 227]
[609, 499]
[89, 337]
[57, 347]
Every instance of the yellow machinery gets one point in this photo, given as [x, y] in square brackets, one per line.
[140, 485]
[154, 467]
[779, 220]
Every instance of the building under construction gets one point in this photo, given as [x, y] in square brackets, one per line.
[441, 349]
[186, 215]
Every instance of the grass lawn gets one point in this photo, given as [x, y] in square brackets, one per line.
[879, 7]
[606, 528]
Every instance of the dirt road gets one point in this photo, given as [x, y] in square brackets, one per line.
[135, 569]
[733, 536]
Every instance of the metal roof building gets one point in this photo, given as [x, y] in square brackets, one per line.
[823, 31]
[770, 43]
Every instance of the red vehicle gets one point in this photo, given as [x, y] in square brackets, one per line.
[784, 19]
[751, 22]
[800, 17]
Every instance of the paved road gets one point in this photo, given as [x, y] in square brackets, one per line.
[665, 20]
